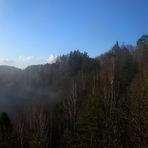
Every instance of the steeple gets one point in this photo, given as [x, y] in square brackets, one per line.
[115, 47]
[117, 44]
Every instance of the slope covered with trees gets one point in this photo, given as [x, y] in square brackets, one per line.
[78, 102]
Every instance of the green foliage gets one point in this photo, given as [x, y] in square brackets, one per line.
[87, 133]
[5, 131]
[4, 120]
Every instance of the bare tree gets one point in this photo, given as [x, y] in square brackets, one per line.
[39, 124]
[70, 105]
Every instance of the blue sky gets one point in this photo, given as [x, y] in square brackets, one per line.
[36, 31]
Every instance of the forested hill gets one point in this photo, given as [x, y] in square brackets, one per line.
[48, 83]
[78, 102]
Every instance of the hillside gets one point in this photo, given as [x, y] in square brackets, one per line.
[78, 101]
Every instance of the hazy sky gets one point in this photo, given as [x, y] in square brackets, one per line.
[36, 31]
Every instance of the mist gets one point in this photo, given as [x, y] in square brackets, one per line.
[20, 88]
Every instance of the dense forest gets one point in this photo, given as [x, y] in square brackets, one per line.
[78, 101]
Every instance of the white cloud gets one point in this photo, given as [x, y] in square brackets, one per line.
[26, 58]
[51, 59]
[6, 61]
[24, 61]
